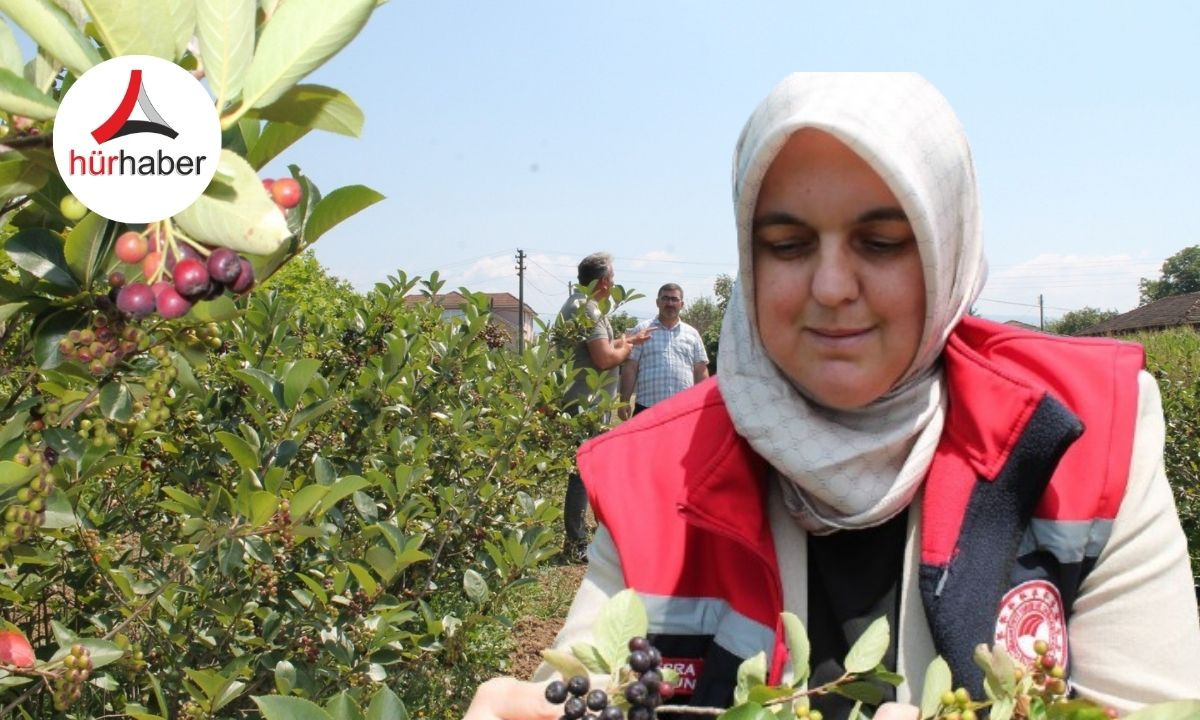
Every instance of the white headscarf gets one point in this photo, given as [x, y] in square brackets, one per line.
[857, 468]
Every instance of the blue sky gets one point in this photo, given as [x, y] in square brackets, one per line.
[564, 128]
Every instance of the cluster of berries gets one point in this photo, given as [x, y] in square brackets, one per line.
[24, 516]
[69, 686]
[957, 705]
[284, 191]
[195, 274]
[103, 344]
[644, 694]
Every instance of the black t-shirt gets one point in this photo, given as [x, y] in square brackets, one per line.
[853, 578]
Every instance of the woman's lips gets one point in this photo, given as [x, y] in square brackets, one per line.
[838, 337]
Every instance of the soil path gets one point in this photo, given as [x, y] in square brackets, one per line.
[533, 634]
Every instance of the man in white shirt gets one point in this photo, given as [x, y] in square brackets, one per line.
[674, 359]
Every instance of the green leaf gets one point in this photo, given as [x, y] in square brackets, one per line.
[362, 575]
[116, 402]
[622, 617]
[21, 97]
[300, 37]
[315, 107]
[14, 475]
[749, 711]
[1002, 709]
[307, 498]
[566, 664]
[938, 682]
[297, 379]
[275, 138]
[798, 648]
[340, 490]
[343, 707]
[228, 693]
[285, 674]
[182, 23]
[54, 32]
[475, 586]
[132, 28]
[1173, 710]
[336, 207]
[241, 451]
[86, 245]
[386, 706]
[235, 212]
[226, 31]
[864, 692]
[262, 506]
[869, 649]
[752, 672]
[219, 309]
[592, 658]
[278, 707]
[266, 386]
[40, 252]
[21, 174]
[10, 52]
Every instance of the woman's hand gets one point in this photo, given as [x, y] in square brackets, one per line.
[897, 711]
[507, 698]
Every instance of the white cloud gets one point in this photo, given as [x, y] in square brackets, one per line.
[1066, 282]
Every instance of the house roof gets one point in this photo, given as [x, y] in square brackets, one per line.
[1022, 325]
[1183, 309]
[454, 300]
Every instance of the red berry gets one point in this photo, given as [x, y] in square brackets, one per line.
[116, 279]
[136, 299]
[666, 690]
[131, 247]
[150, 264]
[286, 192]
[171, 304]
[245, 278]
[224, 266]
[191, 277]
[182, 252]
[15, 649]
[267, 183]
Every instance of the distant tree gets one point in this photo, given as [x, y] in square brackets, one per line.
[621, 322]
[702, 314]
[1078, 320]
[316, 292]
[723, 288]
[1180, 274]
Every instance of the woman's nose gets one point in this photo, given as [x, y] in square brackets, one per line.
[834, 279]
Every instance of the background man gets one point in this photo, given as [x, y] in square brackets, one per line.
[672, 360]
[595, 348]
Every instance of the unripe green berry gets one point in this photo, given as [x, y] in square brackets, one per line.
[968, 715]
[1040, 647]
[962, 697]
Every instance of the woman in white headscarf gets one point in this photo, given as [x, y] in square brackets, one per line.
[871, 450]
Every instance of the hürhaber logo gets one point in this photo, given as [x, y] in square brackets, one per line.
[137, 139]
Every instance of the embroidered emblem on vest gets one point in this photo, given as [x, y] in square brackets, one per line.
[689, 669]
[1030, 612]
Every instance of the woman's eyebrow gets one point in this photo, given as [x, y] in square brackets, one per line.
[777, 218]
[883, 213]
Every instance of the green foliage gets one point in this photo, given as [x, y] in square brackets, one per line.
[621, 322]
[1180, 274]
[1075, 321]
[1173, 357]
[305, 283]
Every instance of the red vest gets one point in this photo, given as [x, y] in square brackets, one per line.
[1032, 464]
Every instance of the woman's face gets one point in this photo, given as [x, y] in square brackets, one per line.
[839, 289]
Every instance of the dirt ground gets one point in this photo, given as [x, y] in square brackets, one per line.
[532, 634]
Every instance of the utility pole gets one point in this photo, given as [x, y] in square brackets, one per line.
[521, 301]
[1041, 313]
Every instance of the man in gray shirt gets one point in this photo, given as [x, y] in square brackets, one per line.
[594, 348]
